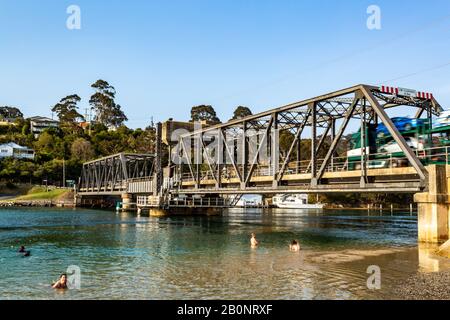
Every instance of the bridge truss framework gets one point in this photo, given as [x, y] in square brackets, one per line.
[208, 171]
[111, 175]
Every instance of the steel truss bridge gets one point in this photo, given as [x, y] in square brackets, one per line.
[322, 118]
[117, 174]
[243, 156]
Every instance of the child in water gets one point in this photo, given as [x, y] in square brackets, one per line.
[253, 242]
[294, 246]
[61, 283]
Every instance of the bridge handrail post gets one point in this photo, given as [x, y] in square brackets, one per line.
[446, 155]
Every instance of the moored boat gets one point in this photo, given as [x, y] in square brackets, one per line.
[295, 201]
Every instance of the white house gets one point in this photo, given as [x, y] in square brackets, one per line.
[13, 150]
[39, 124]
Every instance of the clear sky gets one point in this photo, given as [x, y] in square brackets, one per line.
[164, 57]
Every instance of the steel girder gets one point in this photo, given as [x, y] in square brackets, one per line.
[111, 174]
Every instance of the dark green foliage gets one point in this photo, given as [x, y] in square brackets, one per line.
[56, 144]
[241, 112]
[67, 109]
[10, 113]
[107, 112]
[204, 113]
[355, 200]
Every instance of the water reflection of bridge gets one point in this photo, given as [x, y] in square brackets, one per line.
[243, 157]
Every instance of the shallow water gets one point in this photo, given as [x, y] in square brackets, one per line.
[123, 256]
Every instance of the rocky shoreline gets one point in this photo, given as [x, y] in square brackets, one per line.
[36, 203]
[425, 286]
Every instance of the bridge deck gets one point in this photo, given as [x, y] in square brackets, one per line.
[385, 180]
[389, 172]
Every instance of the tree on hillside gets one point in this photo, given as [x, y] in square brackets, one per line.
[241, 112]
[143, 141]
[286, 139]
[112, 142]
[82, 150]
[204, 113]
[10, 113]
[49, 145]
[106, 110]
[67, 111]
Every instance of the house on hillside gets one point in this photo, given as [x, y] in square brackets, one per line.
[39, 124]
[13, 150]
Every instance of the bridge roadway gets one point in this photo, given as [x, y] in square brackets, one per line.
[389, 180]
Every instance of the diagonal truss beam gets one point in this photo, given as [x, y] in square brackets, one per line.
[188, 159]
[296, 139]
[230, 155]
[338, 137]
[321, 142]
[206, 154]
[123, 162]
[261, 145]
[421, 171]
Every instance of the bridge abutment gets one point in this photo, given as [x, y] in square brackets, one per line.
[434, 207]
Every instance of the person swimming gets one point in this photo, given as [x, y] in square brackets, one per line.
[294, 246]
[25, 253]
[61, 283]
[253, 242]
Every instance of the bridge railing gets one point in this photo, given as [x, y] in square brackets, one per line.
[385, 160]
[199, 202]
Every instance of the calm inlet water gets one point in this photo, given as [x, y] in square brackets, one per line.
[123, 256]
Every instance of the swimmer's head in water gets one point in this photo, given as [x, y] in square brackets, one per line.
[294, 242]
[63, 278]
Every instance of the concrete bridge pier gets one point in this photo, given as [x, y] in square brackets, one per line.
[157, 212]
[127, 202]
[434, 207]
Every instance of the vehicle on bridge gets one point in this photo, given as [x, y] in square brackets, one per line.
[383, 151]
[403, 124]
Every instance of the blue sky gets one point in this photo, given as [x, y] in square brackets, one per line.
[164, 57]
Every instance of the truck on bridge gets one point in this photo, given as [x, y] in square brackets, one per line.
[431, 143]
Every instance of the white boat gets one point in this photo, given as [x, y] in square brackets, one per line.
[295, 201]
[250, 202]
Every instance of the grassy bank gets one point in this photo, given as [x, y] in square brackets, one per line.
[37, 193]
[40, 193]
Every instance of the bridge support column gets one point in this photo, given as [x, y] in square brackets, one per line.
[127, 201]
[434, 207]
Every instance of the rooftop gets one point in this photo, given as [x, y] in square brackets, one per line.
[14, 146]
[43, 119]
